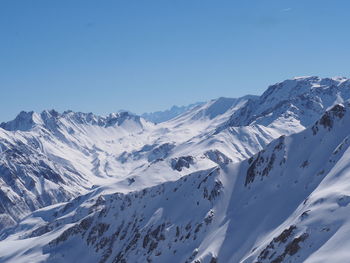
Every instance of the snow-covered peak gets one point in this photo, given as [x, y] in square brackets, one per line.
[174, 111]
[51, 119]
[24, 121]
[218, 107]
[214, 111]
[295, 102]
[291, 88]
[298, 186]
[125, 181]
[112, 119]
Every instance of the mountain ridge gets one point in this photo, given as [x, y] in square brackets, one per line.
[112, 186]
[217, 192]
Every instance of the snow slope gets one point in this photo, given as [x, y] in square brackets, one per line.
[229, 213]
[293, 103]
[107, 188]
[51, 157]
[174, 111]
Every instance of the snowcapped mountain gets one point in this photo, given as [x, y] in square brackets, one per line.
[50, 157]
[174, 111]
[292, 103]
[253, 179]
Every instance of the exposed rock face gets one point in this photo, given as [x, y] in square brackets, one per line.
[182, 162]
[22, 171]
[287, 242]
[147, 232]
[76, 186]
[262, 164]
[328, 118]
[217, 157]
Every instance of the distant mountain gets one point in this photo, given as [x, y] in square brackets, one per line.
[221, 107]
[51, 157]
[51, 119]
[254, 179]
[174, 111]
[229, 213]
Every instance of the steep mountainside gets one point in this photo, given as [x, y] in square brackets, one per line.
[292, 103]
[254, 179]
[50, 157]
[162, 116]
[235, 215]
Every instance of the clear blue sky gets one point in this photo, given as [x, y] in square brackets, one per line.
[102, 56]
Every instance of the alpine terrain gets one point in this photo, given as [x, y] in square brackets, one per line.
[255, 179]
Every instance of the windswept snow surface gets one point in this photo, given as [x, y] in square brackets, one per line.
[174, 111]
[254, 179]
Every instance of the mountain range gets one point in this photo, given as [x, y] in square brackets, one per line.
[254, 179]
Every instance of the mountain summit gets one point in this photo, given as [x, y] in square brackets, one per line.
[255, 179]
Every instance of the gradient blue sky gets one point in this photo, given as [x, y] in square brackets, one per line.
[102, 56]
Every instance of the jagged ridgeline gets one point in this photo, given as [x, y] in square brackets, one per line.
[254, 179]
